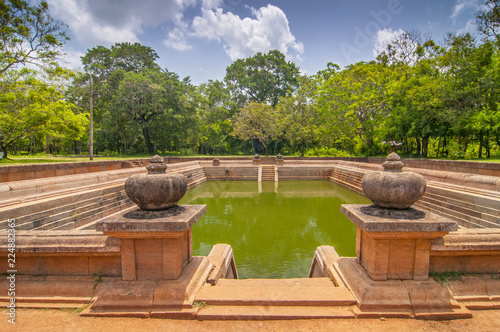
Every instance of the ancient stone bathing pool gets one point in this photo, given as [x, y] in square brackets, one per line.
[273, 228]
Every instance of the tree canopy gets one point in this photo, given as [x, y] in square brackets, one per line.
[424, 98]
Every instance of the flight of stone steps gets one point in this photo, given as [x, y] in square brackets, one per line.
[299, 298]
[80, 205]
[194, 174]
[469, 207]
[67, 211]
[268, 172]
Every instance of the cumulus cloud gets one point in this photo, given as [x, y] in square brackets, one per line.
[72, 59]
[108, 21]
[470, 27]
[460, 6]
[211, 4]
[269, 29]
[383, 38]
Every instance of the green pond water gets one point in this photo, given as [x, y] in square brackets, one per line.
[274, 229]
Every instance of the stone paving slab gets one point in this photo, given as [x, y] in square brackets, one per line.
[277, 292]
[273, 312]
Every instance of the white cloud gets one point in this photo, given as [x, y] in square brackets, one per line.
[72, 59]
[269, 29]
[108, 21]
[470, 27]
[462, 5]
[211, 4]
[176, 39]
[383, 38]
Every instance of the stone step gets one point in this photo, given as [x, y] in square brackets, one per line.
[96, 215]
[275, 292]
[460, 211]
[473, 198]
[477, 191]
[55, 201]
[68, 211]
[273, 312]
[26, 221]
[11, 202]
[439, 211]
[268, 173]
[353, 187]
[456, 211]
[85, 216]
[465, 204]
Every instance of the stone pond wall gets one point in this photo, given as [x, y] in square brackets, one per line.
[73, 247]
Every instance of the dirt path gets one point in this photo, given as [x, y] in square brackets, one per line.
[58, 320]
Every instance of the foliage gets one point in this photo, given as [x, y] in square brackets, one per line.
[259, 121]
[299, 114]
[488, 19]
[28, 35]
[326, 152]
[31, 106]
[430, 99]
[261, 78]
[353, 102]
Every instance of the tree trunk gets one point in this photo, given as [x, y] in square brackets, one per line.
[5, 152]
[302, 150]
[445, 152]
[418, 146]
[425, 146]
[439, 144]
[149, 145]
[480, 145]
[47, 145]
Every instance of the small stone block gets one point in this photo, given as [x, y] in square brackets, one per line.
[113, 293]
[443, 314]
[387, 313]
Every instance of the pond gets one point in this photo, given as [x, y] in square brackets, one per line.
[273, 228]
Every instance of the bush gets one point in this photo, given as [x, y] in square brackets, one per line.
[325, 152]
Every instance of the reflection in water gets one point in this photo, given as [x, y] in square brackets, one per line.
[274, 231]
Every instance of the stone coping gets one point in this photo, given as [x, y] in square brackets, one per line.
[138, 221]
[430, 223]
[60, 242]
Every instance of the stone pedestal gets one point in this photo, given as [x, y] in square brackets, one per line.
[392, 248]
[155, 245]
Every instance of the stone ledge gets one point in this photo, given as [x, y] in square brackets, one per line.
[425, 299]
[430, 223]
[120, 226]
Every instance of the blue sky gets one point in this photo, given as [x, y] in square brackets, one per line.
[200, 38]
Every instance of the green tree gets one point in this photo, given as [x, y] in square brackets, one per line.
[259, 121]
[300, 115]
[488, 19]
[28, 35]
[214, 114]
[353, 102]
[30, 106]
[261, 78]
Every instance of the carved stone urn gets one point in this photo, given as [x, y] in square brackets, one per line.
[156, 190]
[393, 188]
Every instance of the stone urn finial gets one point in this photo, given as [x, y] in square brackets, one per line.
[156, 190]
[393, 188]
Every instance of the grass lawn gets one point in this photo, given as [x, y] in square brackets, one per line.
[43, 159]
